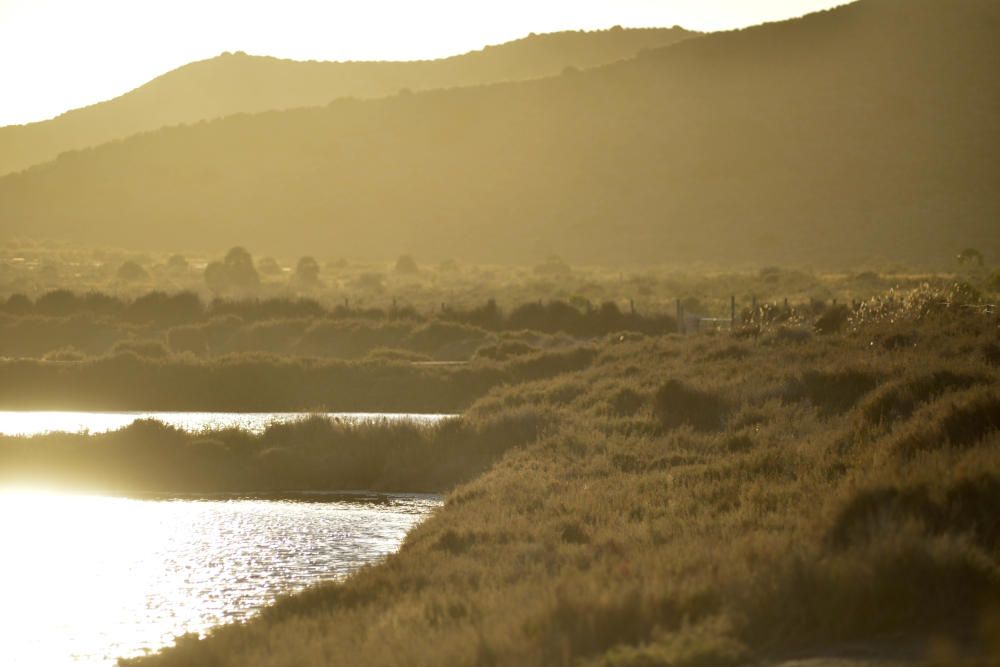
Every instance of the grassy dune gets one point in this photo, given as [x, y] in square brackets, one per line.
[699, 501]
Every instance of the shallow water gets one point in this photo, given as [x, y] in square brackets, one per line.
[38, 422]
[88, 579]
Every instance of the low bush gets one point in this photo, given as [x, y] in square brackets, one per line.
[678, 404]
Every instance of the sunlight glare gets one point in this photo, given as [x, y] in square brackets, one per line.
[88, 579]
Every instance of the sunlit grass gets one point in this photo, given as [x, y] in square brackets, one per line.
[695, 501]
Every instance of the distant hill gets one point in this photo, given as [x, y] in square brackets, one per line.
[238, 83]
[862, 133]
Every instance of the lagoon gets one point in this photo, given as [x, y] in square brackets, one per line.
[89, 579]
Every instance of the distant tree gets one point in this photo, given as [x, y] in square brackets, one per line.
[306, 273]
[131, 272]
[242, 274]
[235, 274]
[216, 278]
[970, 256]
[406, 265]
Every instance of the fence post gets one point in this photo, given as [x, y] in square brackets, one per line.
[631, 306]
[732, 312]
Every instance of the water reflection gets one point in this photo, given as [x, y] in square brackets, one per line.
[38, 422]
[87, 579]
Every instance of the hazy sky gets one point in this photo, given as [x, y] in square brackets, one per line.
[56, 55]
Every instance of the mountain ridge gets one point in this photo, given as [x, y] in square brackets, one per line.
[860, 134]
[239, 83]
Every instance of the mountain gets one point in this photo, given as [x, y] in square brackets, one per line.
[868, 132]
[238, 83]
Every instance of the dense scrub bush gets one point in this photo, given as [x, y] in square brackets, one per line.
[960, 422]
[898, 400]
[626, 402]
[678, 404]
[902, 586]
[834, 320]
[433, 336]
[832, 392]
[963, 507]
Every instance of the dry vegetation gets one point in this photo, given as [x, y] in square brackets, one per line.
[704, 501]
[818, 477]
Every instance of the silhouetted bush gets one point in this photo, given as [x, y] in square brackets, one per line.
[832, 392]
[306, 273]
[963, 507]
[235, 274]
[678, 404]
[959, 422]
[898, 400]
[833, 320]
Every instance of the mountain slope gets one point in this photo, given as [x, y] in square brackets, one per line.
[235, 83]
[862, 133]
